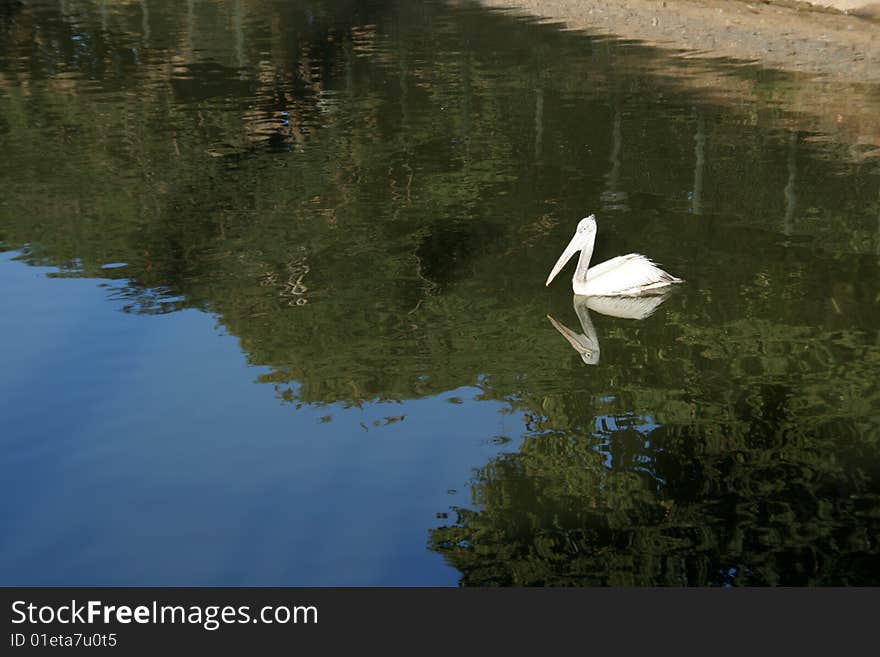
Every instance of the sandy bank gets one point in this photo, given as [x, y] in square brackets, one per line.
[857, 7]
[787, 35]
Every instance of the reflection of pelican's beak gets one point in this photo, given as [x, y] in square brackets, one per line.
[573, 247]
[574, 339]
[581, 343]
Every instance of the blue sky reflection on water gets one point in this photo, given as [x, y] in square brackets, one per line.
[146, 454]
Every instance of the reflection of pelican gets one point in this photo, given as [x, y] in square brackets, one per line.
[629, 275]
[587, 343]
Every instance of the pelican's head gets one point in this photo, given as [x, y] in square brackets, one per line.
[584, 234]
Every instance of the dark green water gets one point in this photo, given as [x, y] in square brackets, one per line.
[273, 305]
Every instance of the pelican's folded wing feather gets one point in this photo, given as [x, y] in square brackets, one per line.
[631, 273]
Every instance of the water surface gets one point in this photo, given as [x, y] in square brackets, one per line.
[273, 305]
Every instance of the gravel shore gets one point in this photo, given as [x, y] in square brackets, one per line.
[793, 36]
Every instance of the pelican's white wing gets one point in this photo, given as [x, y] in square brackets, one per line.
[629, 274]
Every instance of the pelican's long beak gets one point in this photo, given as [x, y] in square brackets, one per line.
[573, 247]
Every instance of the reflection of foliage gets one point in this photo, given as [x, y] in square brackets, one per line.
[769, 501]
[401, 171]
[370, 210]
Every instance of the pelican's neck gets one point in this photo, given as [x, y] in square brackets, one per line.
[580, 273]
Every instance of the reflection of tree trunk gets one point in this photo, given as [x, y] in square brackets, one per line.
[145, 23]
[612, 199]
[190, 26]
[790, 197]
[539, 120]
[238, 26]
[466, 94]
[878, 227]
[401, 80]
[617, 142]
[405, 126]
[700, 152]
[103, 16]
[348, 56]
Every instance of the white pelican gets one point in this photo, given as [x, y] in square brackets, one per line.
[629, 275]
[587, 343]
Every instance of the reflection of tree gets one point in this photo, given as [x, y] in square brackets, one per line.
[699, 165]
[357, 208]
[790, 190]
[356, 213]
[768, 499]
